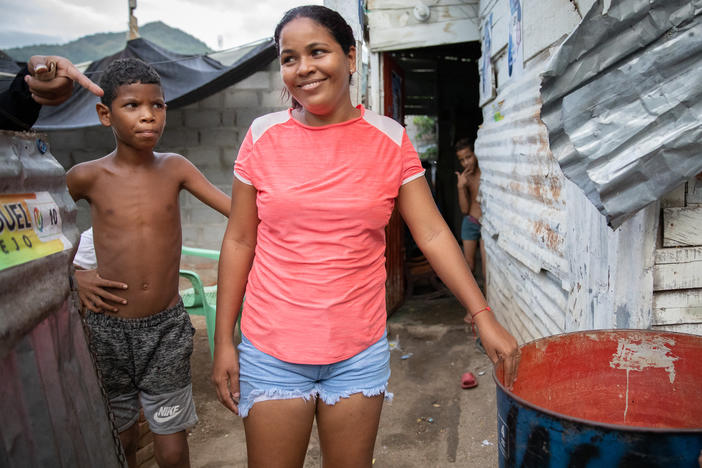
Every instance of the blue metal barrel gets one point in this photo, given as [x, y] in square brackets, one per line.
[605, 398]
[51, 404]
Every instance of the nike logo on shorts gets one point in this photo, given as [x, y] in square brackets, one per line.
[166, 413]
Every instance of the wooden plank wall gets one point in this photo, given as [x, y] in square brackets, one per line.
[677, 275]
[393, 24]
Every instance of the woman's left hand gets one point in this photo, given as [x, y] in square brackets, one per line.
[500, 345]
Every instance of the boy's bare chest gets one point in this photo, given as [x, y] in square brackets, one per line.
[135, 199]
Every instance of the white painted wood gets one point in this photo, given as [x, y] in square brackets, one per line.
[376, 91]
[677, 315]
[399, 4]
[684, 255]
[398, 29]
[674, 198]
[678, 268]
[546, 22]
[676, 307]
[611, 271]
[682, 226]
[688, 298]
[691, 328]
[405, 17]
[694, 192]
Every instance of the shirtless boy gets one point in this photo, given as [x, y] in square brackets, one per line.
[468, 184]
[143, 349]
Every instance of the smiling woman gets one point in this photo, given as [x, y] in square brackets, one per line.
[316, 70]
[314, 188]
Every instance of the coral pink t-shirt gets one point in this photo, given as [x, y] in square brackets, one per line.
[316, 290]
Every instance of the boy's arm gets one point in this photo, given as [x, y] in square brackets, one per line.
[462, 185]
[197, 184]
[78, 179]
[92, 291]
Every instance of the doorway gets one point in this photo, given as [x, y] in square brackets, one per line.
[441, 106]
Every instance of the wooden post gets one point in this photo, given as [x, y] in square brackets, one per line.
[133, 30]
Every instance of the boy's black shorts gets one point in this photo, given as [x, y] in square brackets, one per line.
[146, 360]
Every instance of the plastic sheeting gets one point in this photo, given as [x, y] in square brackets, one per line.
[185, 79]
[622, 100]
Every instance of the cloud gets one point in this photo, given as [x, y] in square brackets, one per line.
[235, 21]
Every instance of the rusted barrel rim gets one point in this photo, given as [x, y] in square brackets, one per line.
[589, 422]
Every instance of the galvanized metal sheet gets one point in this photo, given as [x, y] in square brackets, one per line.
[524, 217]
[622, 100]
[27, 169]
[52, 407]
[521, 185]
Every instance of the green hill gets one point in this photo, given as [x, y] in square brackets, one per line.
[97, 46]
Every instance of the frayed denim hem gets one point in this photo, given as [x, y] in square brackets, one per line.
[272, 394]
[328, 398]
[332, 398]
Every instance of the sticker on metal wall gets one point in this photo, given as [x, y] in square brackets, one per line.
[30, 228]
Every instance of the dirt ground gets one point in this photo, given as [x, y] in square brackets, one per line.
[431, 422]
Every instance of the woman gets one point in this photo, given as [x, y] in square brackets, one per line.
[313, 190]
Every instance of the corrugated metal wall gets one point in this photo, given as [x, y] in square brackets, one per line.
[524, 215]
[553, 263]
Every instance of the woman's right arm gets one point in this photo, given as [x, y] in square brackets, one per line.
[236, 257]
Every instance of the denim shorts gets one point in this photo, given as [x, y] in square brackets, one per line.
[470, 228]
[263, 377]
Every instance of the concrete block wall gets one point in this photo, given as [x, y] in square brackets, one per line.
[207, 132]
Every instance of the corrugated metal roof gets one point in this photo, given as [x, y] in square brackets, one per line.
[622, 99]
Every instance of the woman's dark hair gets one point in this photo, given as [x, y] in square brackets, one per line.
[125, 71]
[326, 17]
[330, 19]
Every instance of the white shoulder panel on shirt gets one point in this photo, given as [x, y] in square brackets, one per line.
[386, 125]
[263, 123]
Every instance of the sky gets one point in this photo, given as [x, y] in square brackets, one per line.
[221, 24]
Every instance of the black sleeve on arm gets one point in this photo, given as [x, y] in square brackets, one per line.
[18, 111]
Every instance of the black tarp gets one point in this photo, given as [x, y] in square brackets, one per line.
[185, 79]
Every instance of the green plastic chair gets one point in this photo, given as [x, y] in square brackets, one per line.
[201, 300]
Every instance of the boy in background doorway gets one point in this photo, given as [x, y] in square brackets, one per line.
[468, 181]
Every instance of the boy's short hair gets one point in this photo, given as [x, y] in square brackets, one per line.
[123, 72]
[464, 143]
